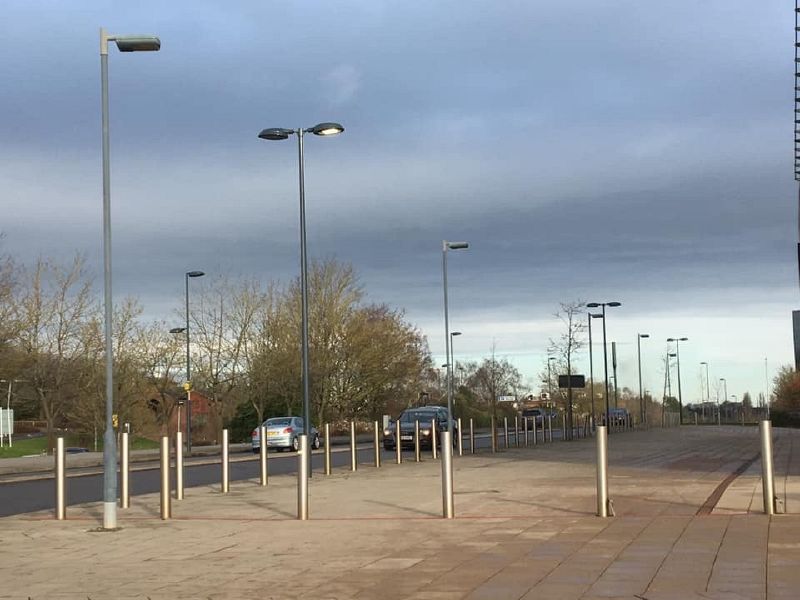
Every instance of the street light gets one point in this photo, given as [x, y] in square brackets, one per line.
[125, 43]
[276, 134]
[708, 388]
[678, 355]
[605, 348]
[188, 386]
[639, 338]
[550, 380]
[725, 384]
[445, 247]
[591, 361]
[176, 330]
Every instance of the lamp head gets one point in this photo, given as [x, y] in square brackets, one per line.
[644, 335]
[137, 43]
[275, 133]
[325, 129]
[596, 315]
[195, 273]
[593, 305]
[454, 333]
[457, 245]
[177, 330]
[614, 304]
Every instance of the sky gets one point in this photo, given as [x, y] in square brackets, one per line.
[600, 151]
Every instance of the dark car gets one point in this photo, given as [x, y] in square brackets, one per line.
[426, 415]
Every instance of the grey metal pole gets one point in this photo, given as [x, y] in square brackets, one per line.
[434, 432]
[549, 428]
[124, 472]
[525, 430]
[166, 507]
[398, 446]
[417, 447]
[564, 427]
[460, 438]
[639, 355]
[376, 428]
[188, 371]
[109, 439]
[535, 430]
[447, 475]
[353, 456]
[605, 367]
[505, 431]
[302, 479]
[178, 464]
[61, 484]
[591, 369]
[602, 471]
[494, 435]
[263, 456]
[304, 292]
[225, 470]
[327, 448]
[447, 345]
[767, 481]
[471, 436]
[680, 396]
[516, 432]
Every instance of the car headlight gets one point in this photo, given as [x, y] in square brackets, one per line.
[425, 431]
[387, 432]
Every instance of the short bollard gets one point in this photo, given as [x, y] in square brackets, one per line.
[494, 435]
[602, 472]
[417, 445]
[178, 465]
[398, 446]
[525, 430]
[124, 472]
[471, 437]
[516, 431]
[505, 432]
[61, 484]
[353, 454]
[262, 463]
[564, 427]
[719, 418]
[377, 440]
[460, 438]
[302, 479]
[767, 481]
[327, 448]
[434, 449]
[447, 475]
[535, 430]
[225, 472]
[166, 507]
[549, 428]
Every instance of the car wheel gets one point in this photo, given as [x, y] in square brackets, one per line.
[296, 444]
[316, 443]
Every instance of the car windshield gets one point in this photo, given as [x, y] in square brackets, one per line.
[410, 416]
[281, 422]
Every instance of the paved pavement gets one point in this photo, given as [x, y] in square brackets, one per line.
[525, 528]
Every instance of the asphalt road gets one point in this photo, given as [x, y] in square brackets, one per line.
[35, 495]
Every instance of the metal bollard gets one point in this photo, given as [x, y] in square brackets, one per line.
[327, 448]
[447, 475]
[434, 449]
[525, 430]
[516, 432]
[61, 484]
[460, 439]
[767, 481]
[124, 472]
[417, 446]
[719, 418]
[262, 431]
[377, 440]
[535, 430]
[398, 447]
[302, 479]
[178, 465]
[602, 471]
[166, 507]
[353, 455]
[225, 472]
[471, 437]
[564, 427]
[549, 428]
[505, 431]
[494, 435]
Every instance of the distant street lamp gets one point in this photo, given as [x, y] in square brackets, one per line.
[276, 134]
[176, 330]
[188, 386]
[708, 388]
[639, 337]
[605, 348]
[125, 43]
[445, 247]
[452, 359]
[550, 380]
[678, 354]
[591, 362]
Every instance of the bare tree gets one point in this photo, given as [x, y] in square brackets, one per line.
[566, 347]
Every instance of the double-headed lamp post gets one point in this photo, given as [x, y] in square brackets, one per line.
[445, 247]
[125, 43]
[188, 385]
[639, 338]
[678, 358]
[275, 134]
[605, 349]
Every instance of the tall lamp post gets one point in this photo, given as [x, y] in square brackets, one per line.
[708, 388]
[639, 338]
[188, 385]
[678, 357]
[605, 348]
[445, 247]
[125, 43]
[176, 330]
[550, 359]
[591, 361]
[724, 383]
[279, 133]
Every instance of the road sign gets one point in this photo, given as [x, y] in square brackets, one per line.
[578, 381]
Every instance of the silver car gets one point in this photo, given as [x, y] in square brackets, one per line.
[283, 433]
